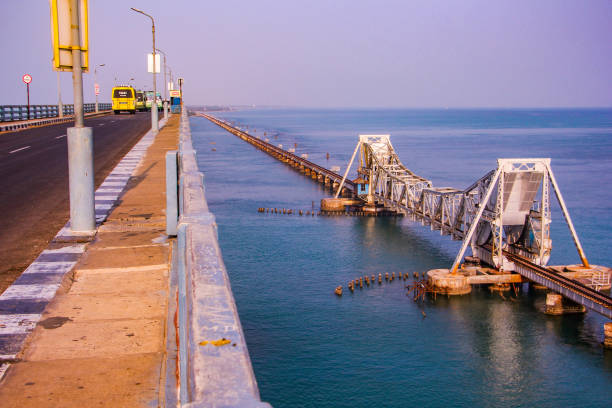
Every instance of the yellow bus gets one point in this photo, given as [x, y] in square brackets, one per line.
[124, 99]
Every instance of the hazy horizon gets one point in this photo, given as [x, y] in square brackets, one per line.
[341, 54]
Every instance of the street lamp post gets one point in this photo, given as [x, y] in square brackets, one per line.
[80, 143]
[165, 85]
[154, 124]
[96, 86]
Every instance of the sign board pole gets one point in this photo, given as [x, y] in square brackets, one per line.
[28, 92]
[180, 81]
[27, 78]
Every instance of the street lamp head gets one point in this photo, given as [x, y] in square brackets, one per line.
[145, 14]
[101, 65]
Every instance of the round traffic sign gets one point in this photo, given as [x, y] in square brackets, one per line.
[27, 78]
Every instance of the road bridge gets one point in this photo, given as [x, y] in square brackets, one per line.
[34, 182]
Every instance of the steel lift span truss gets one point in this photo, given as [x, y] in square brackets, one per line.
[505, 211]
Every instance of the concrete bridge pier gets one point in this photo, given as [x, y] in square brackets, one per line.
[556, 305]
[445, 282]
[608, 335]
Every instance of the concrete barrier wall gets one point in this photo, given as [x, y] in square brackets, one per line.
[215, 366]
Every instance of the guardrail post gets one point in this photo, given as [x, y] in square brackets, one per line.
[171, 193]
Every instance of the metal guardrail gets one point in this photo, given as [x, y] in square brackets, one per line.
[12, 113]
[214, 364]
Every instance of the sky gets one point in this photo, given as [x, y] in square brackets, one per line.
[331, 53]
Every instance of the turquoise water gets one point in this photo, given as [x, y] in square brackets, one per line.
[376, 347]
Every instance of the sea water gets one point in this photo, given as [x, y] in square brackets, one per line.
[377, 347]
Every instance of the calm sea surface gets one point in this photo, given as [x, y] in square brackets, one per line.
[376, 347]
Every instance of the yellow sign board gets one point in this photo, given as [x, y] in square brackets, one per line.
[175, 94]
[61, 33]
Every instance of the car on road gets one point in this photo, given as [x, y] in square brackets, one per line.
[124, 99]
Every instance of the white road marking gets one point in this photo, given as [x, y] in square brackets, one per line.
[60, 136]
[17, 150]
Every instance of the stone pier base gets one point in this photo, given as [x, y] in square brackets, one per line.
[557, 305]
[447, 283]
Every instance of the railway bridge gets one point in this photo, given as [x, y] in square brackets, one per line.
[504, 217]
[325, 176]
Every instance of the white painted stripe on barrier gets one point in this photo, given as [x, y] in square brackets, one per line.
[49, 267]
[18, 323]
[41, 292]
[103, 206]
[105, 197]
[109, 190]
[112, 184]
[3, 368]
[71, 249]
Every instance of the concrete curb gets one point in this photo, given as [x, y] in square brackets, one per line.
[22, 303]
[216, 367]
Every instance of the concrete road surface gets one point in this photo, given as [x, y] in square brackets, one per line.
[34, 202]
